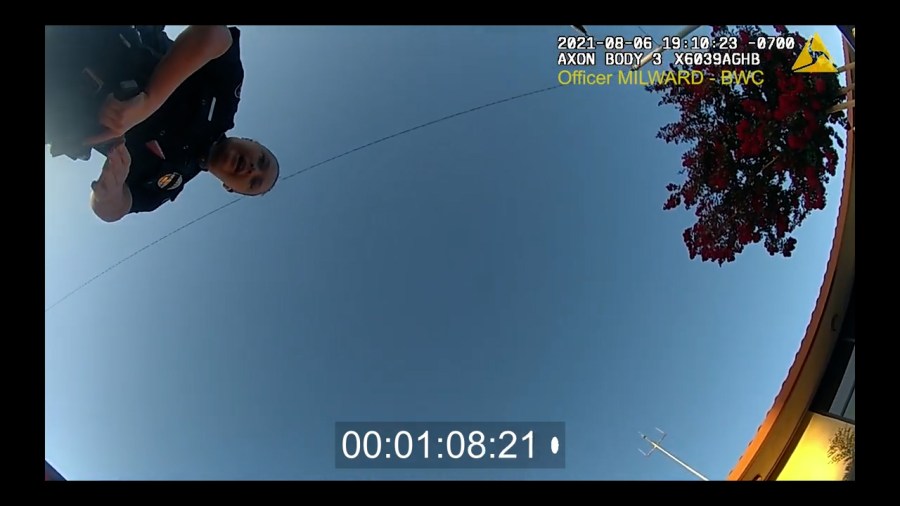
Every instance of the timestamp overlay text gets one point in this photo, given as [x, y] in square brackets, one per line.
[581, 64]
[446, 445]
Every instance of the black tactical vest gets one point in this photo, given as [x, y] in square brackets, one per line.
[84, 64]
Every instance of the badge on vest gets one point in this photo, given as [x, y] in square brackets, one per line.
[171, 181]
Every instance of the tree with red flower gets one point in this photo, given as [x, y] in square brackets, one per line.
[759, 156]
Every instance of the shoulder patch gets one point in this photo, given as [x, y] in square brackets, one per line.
[237, 91]
[170, 181]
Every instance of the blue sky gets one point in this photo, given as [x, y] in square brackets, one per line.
[513, 264]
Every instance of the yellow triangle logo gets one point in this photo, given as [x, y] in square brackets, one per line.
[814, 58]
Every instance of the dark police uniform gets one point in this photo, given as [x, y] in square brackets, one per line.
[197, 115]
[82, 65]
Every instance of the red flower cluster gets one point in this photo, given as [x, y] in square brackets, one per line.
[760, 155]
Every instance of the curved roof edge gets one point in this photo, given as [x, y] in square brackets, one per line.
[797, 390]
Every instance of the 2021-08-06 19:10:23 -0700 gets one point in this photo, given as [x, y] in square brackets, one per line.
[450, 445]
[620, 51]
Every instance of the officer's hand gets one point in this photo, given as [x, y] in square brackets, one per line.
[118, 117]
[114, 172]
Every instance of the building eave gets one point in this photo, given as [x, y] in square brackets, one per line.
[791, 405]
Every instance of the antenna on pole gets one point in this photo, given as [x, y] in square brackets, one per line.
[655, 445]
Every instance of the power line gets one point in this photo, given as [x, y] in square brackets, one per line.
[129, 257]
[423, 125]
[297, 173]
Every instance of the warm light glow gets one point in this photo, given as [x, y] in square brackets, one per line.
[810, 461]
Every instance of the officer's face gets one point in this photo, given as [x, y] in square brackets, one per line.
[244, 166]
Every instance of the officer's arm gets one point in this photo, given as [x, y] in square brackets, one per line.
[110, 202]
[196, 46]
[110, 196]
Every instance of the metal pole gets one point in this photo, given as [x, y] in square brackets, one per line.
[659, 49]
[689, 468]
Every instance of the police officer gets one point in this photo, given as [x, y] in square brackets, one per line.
[175, 128]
